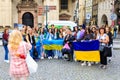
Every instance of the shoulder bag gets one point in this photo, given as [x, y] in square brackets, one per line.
[31, 64]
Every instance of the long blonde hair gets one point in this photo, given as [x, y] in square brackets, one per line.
[14, 39]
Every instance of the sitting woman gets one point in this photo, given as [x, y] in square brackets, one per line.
[69, 38]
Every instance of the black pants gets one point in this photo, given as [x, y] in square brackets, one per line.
[103, 59]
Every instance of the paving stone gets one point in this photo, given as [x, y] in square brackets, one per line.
[63, 70]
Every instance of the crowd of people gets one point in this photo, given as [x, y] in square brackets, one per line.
[35, 37]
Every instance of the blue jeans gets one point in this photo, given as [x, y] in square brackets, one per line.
[32, 50]
[6, 52]
[115, 34]
[38, 51]
[58, 53]
[50, 53]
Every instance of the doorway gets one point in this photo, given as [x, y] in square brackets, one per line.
[104, 20]
[28, 19]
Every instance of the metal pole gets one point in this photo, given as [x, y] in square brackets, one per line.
[46, 16]
[78, 14]
[85, 13]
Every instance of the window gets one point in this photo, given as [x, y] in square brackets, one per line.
[64, 4]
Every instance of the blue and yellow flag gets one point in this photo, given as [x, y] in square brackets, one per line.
[87, 50]
[53, 44]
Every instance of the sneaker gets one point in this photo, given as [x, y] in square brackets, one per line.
[104, 67]
[56, 57]
[48, 57]
[42, 57]
[109, 60]
[96, 62]
[7, 61]
[101, 66]
[75, 60]
[89, 64]
[83, 64]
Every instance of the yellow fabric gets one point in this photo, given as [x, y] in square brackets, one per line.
[87, 55]
[53, 47]
[112, 31]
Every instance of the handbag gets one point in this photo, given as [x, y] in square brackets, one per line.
[101, 48]
[4, 42]
[66, 46]
[107, 51]
[66, 49]
[31, 64]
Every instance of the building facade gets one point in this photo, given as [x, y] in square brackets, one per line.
[104, 12]
[36, 12]
[88, 11]
[95, 12]
[117, 12]
[5, 13]
[81, 11]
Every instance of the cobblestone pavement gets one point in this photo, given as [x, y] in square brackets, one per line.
[64, 70]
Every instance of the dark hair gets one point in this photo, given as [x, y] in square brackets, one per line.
[103, 29]
[59, 30]
[52, 25]
[5, 30]
[40, 30]
[74, 28]
[56, 28]
[87, 29]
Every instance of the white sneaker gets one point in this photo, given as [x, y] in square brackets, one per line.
[104, 67]
[42, 57]
[7, 61]
[75, 60]
[89, 64]
[83, 64]
[96, 62]
[50, 57]
[56, 57]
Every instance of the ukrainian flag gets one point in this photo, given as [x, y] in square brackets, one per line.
[87, 50]
[53, 44]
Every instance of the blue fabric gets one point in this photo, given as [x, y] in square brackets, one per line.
[32, 50]
[6, 52]
[50, 42]
[49, 35]
[86, 46]
[115, 34]
[38, 43]
[38, 51]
